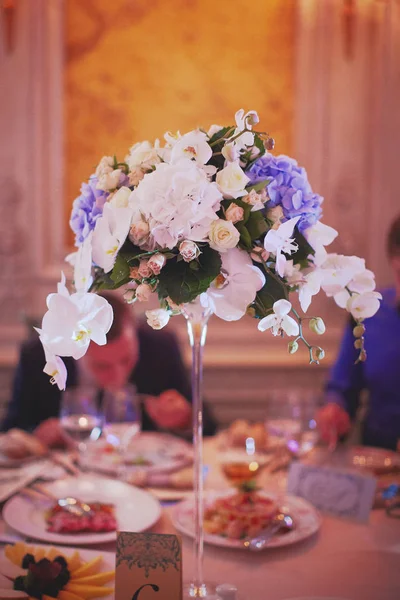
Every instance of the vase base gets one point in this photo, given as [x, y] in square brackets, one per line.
[192, 590]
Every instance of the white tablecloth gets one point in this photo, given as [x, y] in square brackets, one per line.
[344, 560]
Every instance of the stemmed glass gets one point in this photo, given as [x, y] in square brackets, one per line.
[122, 420]
[81, 416]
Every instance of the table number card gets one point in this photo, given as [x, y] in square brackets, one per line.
[148, 567]
[341, 493]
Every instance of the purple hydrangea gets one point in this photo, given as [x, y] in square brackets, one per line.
[86, 209]
[289, 188]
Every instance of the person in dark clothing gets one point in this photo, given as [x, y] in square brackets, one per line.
[149, 359]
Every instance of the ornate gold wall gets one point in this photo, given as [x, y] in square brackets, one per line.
[136, 68]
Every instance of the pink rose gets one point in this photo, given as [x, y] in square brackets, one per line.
[234, 213]
[144, 269]
[156, 263]
[188, 250]
[143, 292]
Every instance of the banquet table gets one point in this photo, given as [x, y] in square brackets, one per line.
[345, 560]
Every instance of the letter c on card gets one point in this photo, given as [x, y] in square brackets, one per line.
[154, 587]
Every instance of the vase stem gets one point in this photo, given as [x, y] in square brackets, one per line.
[197, 330]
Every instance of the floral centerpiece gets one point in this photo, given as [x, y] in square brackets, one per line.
[212, 215]
[210, 222]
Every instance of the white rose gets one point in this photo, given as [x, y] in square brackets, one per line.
[223, 235]
[232, 180]
[188, 250]
[139, 233]
[106, 165]
[142, 154]
[156, 263]
[157, 318]
[143, 292]
[234, 213]
[109, 181]
[121, 197]
[144, 269]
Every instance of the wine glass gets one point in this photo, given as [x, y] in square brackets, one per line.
[122, 419]
[242, 464]
[80, 416]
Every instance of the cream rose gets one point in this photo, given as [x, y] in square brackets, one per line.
[223, 235]
[143, 292]
[189, 250]
[144, 269]
[105, 166]
[156, 263]
[234, 213]
[139, 233]
[157, 318]
[232, 180]
[109, 181]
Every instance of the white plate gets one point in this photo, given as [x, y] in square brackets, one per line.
[108, 563]
[166, 453]
[135, 509]
[304, 514]
[379, 459]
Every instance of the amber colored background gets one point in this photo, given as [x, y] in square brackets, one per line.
[135, 69]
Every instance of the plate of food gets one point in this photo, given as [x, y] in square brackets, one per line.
[237, 434]
[231, 517]
[375, 460]
[114, 506]
[43, 572]
[149, 451]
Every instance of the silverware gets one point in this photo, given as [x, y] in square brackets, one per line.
[69, 503]
[282, 521]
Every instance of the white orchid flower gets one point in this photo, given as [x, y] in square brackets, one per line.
[55, 368]
[364, 306]
[319, 236]
[280, 240]
[362, 282]
[193, 145]
[235, 288]
[81, 260]
[279, 322]
[244, 121]
[72, 321]
[110, 233]
[338, 271]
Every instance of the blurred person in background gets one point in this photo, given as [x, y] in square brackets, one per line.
[379, 375]
[136, 354]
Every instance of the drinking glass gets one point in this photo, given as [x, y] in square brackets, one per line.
[122, 419]
[241, 465]
[81, 417]
[291, 421]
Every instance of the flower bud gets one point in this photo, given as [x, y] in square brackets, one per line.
[293, 347]
[144, 269]
[134, 273]
[320, 353]
[269, 144]
[363, 356]
[129, 296]
[143, 292]
[156, 262]
[358, 331]
[317, 325]
[358, 344]
[252, 118]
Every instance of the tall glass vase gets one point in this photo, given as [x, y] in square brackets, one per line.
[197, 318]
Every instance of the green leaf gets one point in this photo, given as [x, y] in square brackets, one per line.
[257, 225]
[258, 187]
[183, 284]
[245, 238]
[120, 271]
